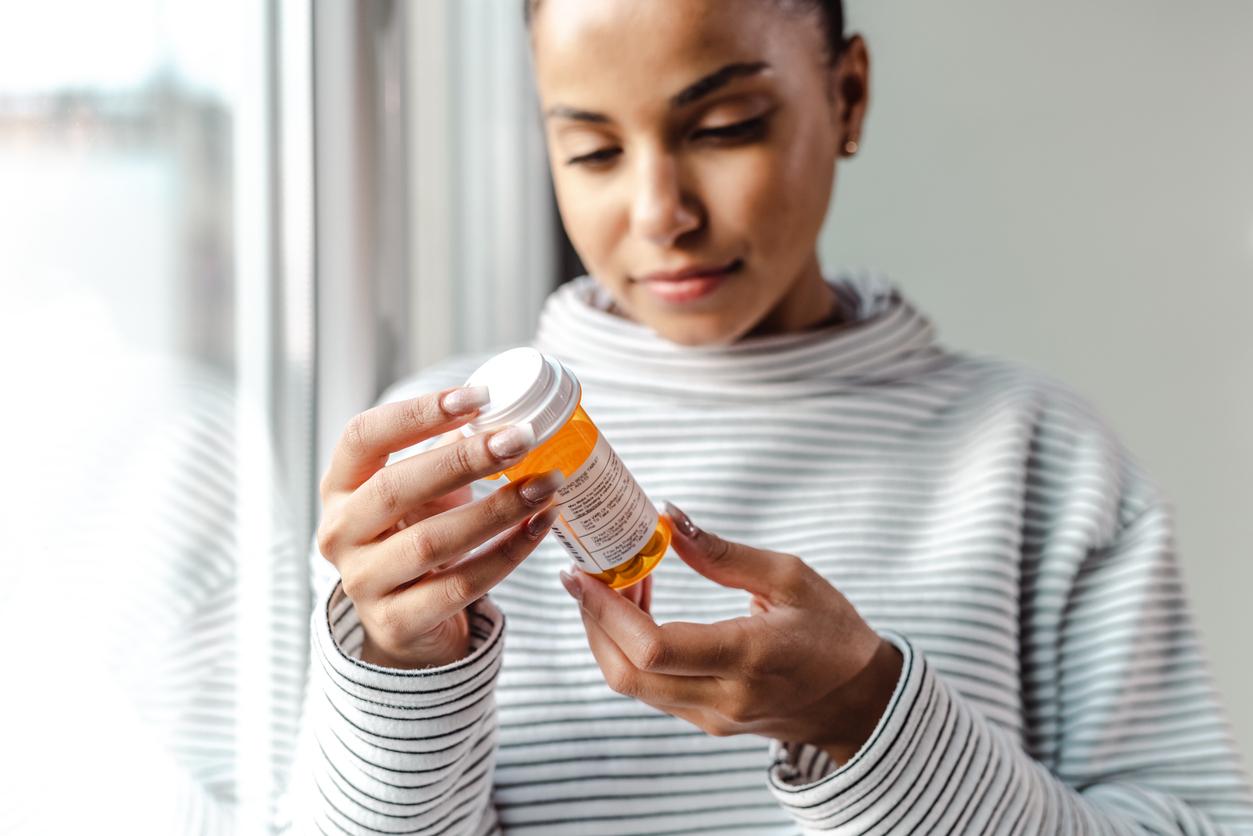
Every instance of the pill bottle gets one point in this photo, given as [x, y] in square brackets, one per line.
[610, 528]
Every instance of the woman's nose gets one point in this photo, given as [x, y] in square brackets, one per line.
[659, 213]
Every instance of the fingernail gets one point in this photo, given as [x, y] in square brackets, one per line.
[512, 441]
[466, 399]
[572, 585]
[541, 522]
[536, 490]
[682, 521]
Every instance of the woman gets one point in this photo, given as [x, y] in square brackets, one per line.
[941, 597]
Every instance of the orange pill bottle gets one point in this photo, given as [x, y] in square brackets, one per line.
[606, 522]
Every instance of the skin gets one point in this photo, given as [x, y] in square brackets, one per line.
[411, 548]
[661, 193]
[802, 666]
[414, 552]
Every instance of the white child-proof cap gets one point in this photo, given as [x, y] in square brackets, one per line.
[524, 386]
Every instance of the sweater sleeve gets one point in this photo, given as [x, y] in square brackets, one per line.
[1139, 743]
[397, 751]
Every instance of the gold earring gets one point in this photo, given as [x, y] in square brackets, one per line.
[850, 147]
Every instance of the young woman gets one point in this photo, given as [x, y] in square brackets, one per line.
[917, 591]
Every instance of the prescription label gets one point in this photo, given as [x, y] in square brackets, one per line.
[604, 517]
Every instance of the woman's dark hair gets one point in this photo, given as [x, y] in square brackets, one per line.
[831, 12]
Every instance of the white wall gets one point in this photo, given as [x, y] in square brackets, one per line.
[1071, 184]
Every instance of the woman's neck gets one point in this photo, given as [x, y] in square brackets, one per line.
[808, 304]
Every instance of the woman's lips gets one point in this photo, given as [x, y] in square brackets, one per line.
[691, 287]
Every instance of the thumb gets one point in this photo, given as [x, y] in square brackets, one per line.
[725, 562]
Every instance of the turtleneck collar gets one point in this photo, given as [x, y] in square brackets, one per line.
[879, 337]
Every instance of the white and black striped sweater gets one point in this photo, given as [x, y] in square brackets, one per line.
[979, 515]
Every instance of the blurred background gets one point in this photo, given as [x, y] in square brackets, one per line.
[226, 227]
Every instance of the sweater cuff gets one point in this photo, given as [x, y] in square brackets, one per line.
[338, 648]
[400, 747]
[823, 795]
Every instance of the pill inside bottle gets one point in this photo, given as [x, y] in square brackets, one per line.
[605, 521]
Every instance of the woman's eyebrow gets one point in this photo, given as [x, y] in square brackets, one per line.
[710, 83]
[693, 92]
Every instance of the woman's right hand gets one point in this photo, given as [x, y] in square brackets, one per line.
[400, 534]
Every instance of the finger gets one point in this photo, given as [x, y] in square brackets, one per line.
[772, 575]
[438, 540]
[704, 719]
[450, 437]
[396, 490]
[454, 499]
[678, 647]
[439, 595]
[660, 690]
[632, 593]
[639, 594]
[371, 436]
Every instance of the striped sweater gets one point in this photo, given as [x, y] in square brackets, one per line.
[978, 515]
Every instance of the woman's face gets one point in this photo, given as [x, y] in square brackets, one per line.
[697, 134]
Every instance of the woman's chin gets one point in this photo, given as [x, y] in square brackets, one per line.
[695, 331]
[691, 328]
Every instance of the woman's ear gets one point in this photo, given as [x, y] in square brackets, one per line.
[850, 87]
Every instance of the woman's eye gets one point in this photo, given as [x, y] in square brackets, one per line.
[740, 130]
[595, 158]
[748, 129]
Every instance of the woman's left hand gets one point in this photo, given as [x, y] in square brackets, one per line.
[803, 667]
